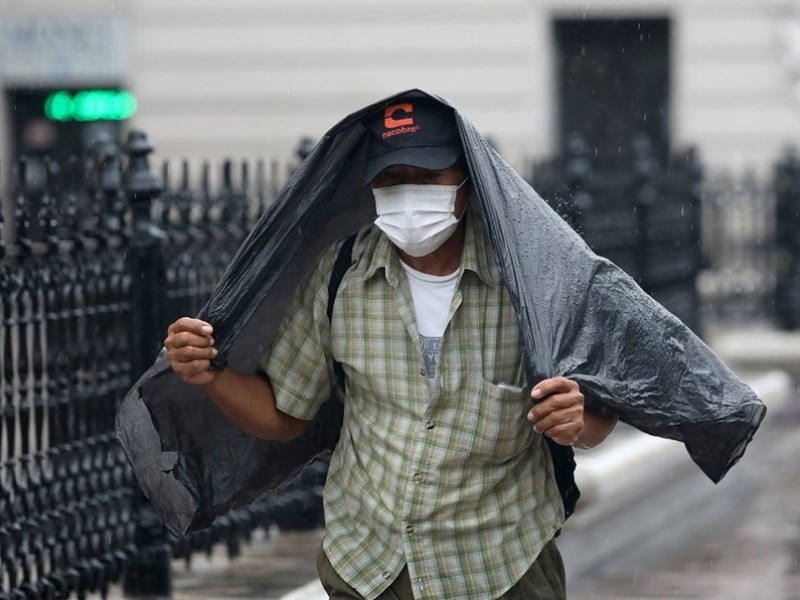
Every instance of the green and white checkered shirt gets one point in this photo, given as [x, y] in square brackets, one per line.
[448, 478]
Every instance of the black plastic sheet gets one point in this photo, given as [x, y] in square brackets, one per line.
[580, 316]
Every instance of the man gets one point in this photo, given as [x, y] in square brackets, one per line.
[441, 485]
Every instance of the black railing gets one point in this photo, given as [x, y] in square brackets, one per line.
[99, 263]
[787, 241]
[737, 283]
[67, 495]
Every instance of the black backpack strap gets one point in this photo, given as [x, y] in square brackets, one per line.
[343, 261]
[564, 471]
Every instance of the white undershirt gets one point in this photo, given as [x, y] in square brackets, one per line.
[432, 295]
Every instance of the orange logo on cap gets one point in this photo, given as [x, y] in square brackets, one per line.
[405, 109]
[402, 125]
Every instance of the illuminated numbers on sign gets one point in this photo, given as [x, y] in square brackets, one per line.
[90, 105]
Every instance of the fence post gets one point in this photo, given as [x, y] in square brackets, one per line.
[787, 241]
[149, 571]
[645, 196]
[692, 197]
[577, 175]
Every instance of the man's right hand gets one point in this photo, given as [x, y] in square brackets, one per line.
[190, 348]
[246, 399]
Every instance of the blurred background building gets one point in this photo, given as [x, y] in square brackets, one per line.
[209, 79]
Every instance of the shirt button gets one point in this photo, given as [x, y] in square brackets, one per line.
[385, 574]
[429, 425]
[422, 372]
[409, 528]
[417, 477]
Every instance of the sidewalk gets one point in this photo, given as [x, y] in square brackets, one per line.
[757, 348]
[751, 552]
[648, 504]
[271, 567]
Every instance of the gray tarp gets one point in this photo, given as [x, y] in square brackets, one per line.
[580, 316]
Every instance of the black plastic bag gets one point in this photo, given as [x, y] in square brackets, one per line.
[580, 316]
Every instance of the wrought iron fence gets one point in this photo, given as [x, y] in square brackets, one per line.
[738, 280]
[99, 264]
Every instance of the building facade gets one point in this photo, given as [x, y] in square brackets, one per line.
[248, 78]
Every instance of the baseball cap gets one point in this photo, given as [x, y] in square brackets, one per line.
[419, 132]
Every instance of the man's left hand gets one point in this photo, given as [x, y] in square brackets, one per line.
[558, 410]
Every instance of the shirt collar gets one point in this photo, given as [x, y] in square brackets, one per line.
[476, 256]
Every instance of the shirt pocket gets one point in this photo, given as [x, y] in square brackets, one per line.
[501, 427]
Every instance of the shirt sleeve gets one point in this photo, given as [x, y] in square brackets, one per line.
[299, 364]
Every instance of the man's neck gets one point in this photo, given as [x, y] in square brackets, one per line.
[444, 260]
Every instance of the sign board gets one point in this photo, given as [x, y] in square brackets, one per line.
[64, 48]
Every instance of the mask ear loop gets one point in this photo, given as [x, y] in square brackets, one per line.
[463, 212]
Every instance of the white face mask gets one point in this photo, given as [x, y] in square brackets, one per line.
[417, 218]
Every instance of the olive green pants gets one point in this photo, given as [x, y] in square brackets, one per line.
[545, 580]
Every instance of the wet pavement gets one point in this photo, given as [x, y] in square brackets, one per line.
[754, 559]
[752, 552]
[272, 566]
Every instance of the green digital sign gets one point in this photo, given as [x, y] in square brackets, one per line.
[90, 105]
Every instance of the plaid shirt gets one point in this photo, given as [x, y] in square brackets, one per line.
[448, 478]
